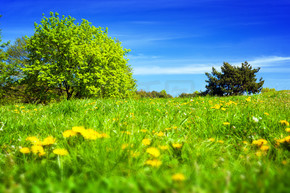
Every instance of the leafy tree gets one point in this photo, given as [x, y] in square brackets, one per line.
[233, 80]
[4, 68]
[78, 59]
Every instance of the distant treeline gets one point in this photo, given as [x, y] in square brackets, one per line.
[163, 94]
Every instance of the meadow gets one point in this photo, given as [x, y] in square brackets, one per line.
[201, 144]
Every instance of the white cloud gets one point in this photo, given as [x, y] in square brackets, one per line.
[269, 64]
[171, 70]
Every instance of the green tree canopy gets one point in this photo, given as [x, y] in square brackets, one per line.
[4, 68]
[77, 58]
[233, 80]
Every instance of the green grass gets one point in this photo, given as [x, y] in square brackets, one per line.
[213, 158]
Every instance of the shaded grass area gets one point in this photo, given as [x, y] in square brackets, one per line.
[207, 140]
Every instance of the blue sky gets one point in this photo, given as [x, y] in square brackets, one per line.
[174, 42]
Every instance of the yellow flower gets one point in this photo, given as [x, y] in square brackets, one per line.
[260, 142]
[159, 134]
[153, 163]
[143, 130]
[69, 133]
[153, 151]
[287, 130]
[146, 141]
[178, 177]
[278, 141]
[163, 147]
[284, 122]
[177, 145]
[34, 140]
[287, 139]
[60, 151]
[91, 134]
[37, 149]
[223, 109]
[264, 148]
[284, 162]
[220, 141]
[217, 106]
[226, 123]
[245, 142]
[248, 99]
[25, 150]
[266, 114]
[48, 141]
[78, 129]
[211, 139]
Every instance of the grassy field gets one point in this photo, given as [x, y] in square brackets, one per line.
[205, 144]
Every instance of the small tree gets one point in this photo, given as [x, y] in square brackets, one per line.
[233, 80]
[78, 59]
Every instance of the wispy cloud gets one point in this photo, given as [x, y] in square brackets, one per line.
[269, 64]
[171, 70]
[269, 61]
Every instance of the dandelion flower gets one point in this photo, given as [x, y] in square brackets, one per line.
[37, 149]
[245, 142]
[91, 134]
[153, 151]
[211, 139]
[178, 177]
[287, 139]
[48, 141]
[220, 141]
[25, 150]
[78, 129]
[226, 123]
[34, 140]
[266, 114]
[159, 134]
[284, 122]
[146, 142]
[60, 151]
[264, 148]
[287, 130]
[259, 142]
[153, 163]
[177, 145]
[69, 133]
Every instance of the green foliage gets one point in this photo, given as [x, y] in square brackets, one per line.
[268, 90]
[233, 80]
[4, 68]
[190, 95]
[78, 59]
[152, 94]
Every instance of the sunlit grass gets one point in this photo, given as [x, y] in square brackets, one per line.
[205, 144]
